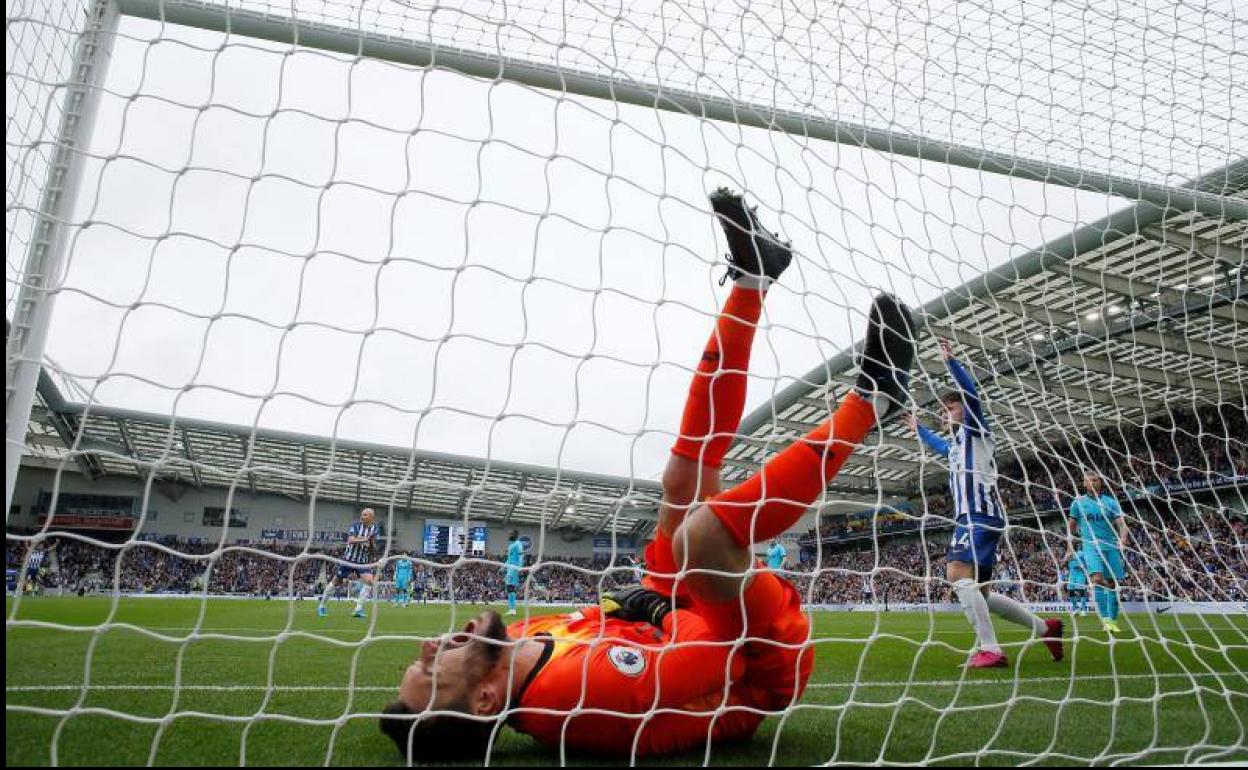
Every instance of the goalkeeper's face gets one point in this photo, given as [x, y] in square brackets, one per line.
[460, 671]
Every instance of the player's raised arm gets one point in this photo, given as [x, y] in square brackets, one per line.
[930, 438]
[973, 415]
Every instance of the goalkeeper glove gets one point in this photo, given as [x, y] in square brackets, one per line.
[636, 605]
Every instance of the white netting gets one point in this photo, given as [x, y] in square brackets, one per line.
[297, 282]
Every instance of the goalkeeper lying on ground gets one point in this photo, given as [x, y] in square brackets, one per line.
[634, 675]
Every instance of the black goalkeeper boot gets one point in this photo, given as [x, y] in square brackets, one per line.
[752, 248]
[887, 355]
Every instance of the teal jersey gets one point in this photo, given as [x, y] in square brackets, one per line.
[515, 554]
[775, 556]
[403, 569]
[1096, 517]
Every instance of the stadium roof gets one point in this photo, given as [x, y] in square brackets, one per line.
[119, 442]
[1143, 309]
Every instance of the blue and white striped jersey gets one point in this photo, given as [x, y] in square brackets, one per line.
[35, 560]
[361, 553]
[971, 455]
[973, 474]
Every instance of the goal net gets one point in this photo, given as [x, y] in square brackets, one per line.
[269, 264]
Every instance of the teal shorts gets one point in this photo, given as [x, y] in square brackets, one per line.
[1105, 560]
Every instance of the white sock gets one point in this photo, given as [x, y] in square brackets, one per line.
[999, 604]
[756, 282]
[325, 596]
[976, 609]
[359, 602]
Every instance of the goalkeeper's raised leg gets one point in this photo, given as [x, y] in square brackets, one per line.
[715, 643]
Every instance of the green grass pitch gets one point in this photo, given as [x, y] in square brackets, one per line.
[886, 688]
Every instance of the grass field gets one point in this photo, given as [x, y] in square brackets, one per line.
[270, 683]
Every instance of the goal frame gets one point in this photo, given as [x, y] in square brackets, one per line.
[44, 262]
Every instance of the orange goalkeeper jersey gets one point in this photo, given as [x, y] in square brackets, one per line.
[615, 687]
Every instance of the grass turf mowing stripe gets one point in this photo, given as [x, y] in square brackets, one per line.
[815, 685]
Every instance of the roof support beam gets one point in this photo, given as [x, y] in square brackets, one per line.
[1172, 343]
[1066, 352]
[1208, 248]
[359, 482]
[515, 500]
[1042, 386]
[1025, 412]
[613, 509]
[568, 505]
[128, 443]
[410, 481]
[251, 476]
[1159, 340]
[87, 462]
[464, 493]
[193, 464]
[1150, 338]
[1139, 290]
[1027, 311]
[1101, 365]
[303, 470]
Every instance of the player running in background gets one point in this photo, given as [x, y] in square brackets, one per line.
[515, 560]
[361, 544]
[716, 643]
[1096, 519]
[1076, 580]
[979, 518]
[776, 555]
[420, 584]
[402, 580]
[636, 567]
[34, 563]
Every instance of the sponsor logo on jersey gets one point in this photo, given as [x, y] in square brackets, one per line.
[627, 661]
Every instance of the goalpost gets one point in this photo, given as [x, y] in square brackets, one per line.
[174, 167]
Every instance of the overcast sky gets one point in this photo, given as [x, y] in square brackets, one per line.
[412, 257]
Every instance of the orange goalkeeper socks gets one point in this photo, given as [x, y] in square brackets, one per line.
[772, 500]
[661, 569]
[717, 394]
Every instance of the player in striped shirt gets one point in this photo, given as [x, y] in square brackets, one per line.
[979, 518]
[34, 562]
[1096, 519]
[361, 544]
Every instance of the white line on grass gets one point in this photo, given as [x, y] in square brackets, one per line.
[1022, 680]
[253, 632]
[393, 688]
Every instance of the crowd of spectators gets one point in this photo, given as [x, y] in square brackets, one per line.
[1206, 446]
[173, 566]
[1203, 557]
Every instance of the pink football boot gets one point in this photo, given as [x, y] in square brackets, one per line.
[1053, 638]
[986, 659]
